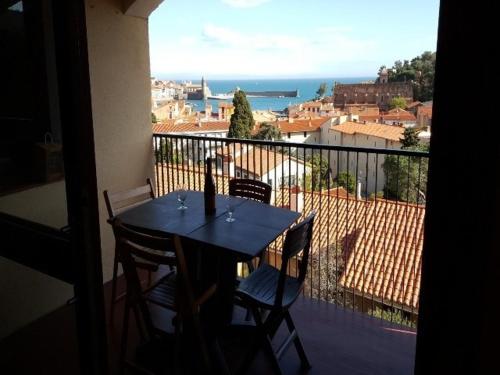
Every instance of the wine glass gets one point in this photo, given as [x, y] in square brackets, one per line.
[181, 196]
[230, 205]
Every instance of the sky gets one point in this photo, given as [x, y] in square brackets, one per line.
[235, 39]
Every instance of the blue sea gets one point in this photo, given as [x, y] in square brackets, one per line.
[307, 90]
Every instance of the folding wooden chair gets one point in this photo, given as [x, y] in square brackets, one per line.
[116, 203]
[174, 292]
[272, 290]
[252, 189]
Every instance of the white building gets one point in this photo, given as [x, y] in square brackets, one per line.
[273, 167]
[193, 151]
[367, 165]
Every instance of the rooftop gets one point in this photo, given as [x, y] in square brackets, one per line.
[389, 132]
[172, 126]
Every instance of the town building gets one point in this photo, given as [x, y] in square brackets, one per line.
[398, 116]
[247, 161]
[380, 93]
[356, 134]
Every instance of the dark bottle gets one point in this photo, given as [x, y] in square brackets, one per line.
[209, 190]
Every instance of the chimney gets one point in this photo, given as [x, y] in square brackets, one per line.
[229, 165]
[290, 120]
[358, 190]
[199, 123]
[296, 199]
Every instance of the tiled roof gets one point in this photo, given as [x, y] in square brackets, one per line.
[413, 104]
[225, 105]
[301, 125]
[398, 114]
[170, 126]
[386, 258]
[425, 111]
[389, 132]
[312, 105]
[381, 240]
[369, 118]
[254, 160]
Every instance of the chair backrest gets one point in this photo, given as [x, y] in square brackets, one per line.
[124, 200]
[134, 248]
[298, 239]
[253, 189]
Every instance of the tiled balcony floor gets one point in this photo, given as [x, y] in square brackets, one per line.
[337, 341]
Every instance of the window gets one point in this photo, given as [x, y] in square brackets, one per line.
[287, 180]
[305, 134]
[289, 135]
[238, 174]
[270, 181]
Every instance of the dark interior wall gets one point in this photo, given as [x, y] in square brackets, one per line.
[29, 105]
[458, 322]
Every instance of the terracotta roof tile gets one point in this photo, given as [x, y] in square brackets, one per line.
[301, 125]
[390, 132]
[170, 126]
[381, 240]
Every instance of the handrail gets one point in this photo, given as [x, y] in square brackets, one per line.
[312, 146]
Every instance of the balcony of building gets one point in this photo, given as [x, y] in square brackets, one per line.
[360, 308]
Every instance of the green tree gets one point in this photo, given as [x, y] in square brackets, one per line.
[397, 102]
[154, 120]
[406, 177]
[268, 131]
[419, 71]
[324, 272]
[347, 181]
[242, 121]
[410, 138]
[320, 93]
[317, 179]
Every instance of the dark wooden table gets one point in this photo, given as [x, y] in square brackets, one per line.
[256, 225]
[214, 246]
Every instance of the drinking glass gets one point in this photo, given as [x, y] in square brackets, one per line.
[230, 205]
[181, 196]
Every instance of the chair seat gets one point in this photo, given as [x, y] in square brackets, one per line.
[261, 285]
[163, 294]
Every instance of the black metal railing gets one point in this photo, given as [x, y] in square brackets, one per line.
[368, 236]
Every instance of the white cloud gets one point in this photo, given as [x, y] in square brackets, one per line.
[221, 51]
[244, 3]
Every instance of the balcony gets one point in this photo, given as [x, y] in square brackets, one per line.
[368, 236]
[336, 339]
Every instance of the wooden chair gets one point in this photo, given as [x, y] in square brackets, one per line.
[252, 189]
[117, 203]
[174, 291]
[272, 290]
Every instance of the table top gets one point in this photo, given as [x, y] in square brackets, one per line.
[256, 225]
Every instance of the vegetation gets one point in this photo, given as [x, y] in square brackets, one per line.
[377, 195]
[268, 132]
[419, 71]
[166, 154]
[396, 316]
[154, 120]
[317, 180]
[397, 102]
[242, 121]
[347, 181]
[410, 138]
[320, 93]
[325, 269]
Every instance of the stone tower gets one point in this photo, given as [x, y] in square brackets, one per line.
[384, 76]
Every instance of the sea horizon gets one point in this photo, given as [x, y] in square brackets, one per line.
[307, 88]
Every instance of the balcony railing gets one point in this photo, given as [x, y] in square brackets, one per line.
[368, 235]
